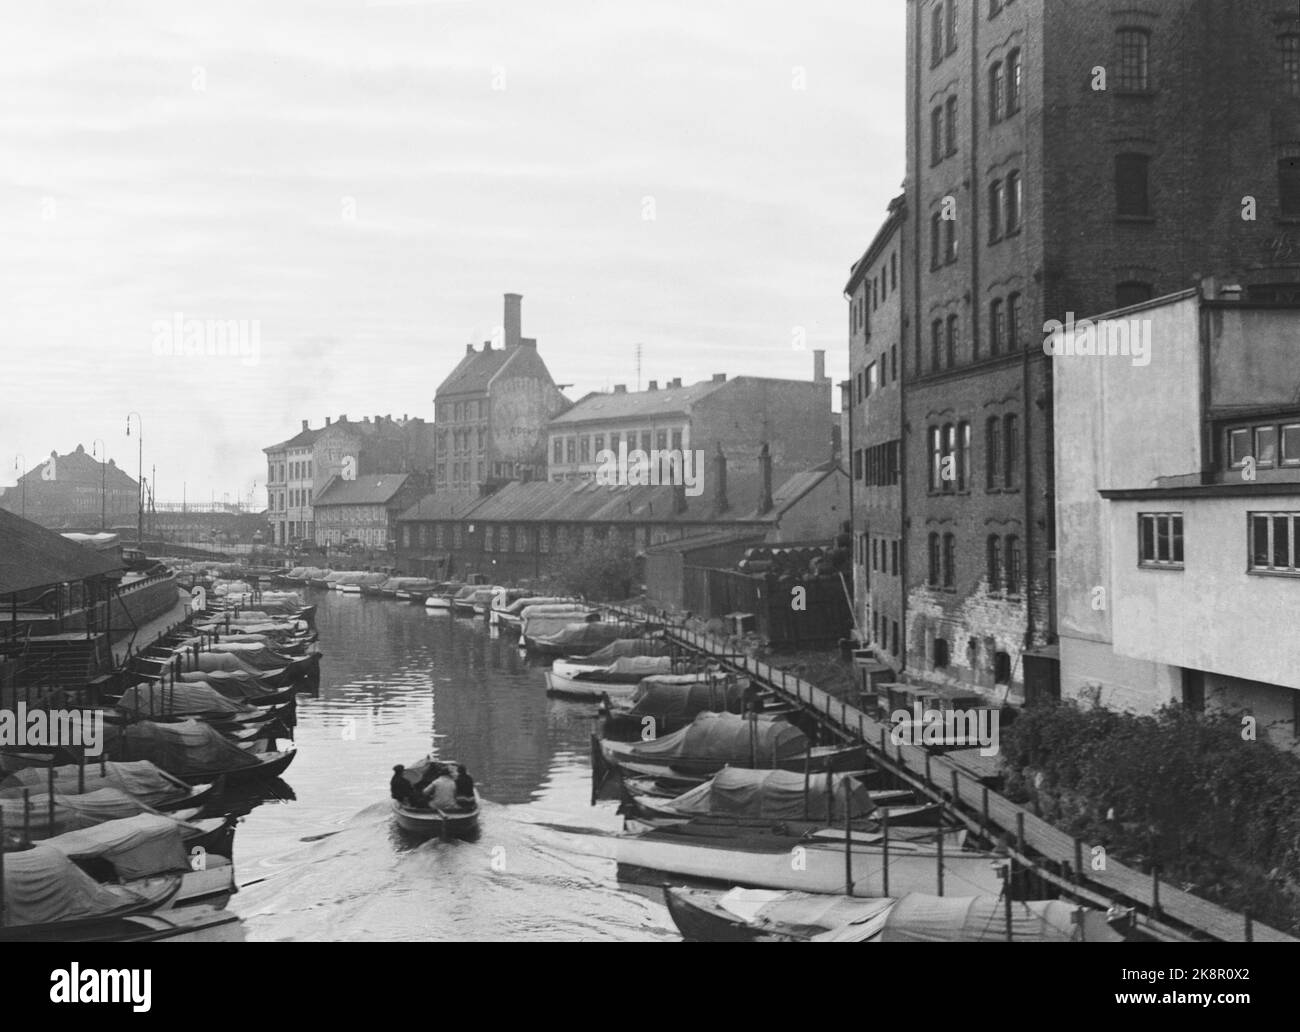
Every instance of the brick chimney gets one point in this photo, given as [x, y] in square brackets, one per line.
[677, 382]
[653, 385]
[765, 466]
[513, 319]
[304, 424]
[819, 365]
[719, 377]
[620, 388]
[720, 504]
[329, 420]
[469, 348]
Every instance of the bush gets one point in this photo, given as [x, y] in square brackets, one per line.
[1178, 789]
[605, 571]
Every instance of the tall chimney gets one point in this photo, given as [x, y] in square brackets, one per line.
[304, 424]
[720, 479]
[765, 465]
[819, 365]
[328, 420]
[513, 320]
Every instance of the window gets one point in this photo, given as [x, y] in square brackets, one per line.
[1010, 450]
[940, 653]
[950, 134]
[1134, 55]
[992, 453]
[1013, 565]
[949, 450]
[894, 636]
[952, 25]
[521, 539]
[661, 440]
[1132, 293]
[993, 561]
[935, 259]
[936, 34]
[489, 538]
[893, 362]
[1160, 539]
[677, 440]
[963, 456]
[1013, 202]
[1274, 542]
[949, 560]
[933, 572]
[936, 342]
[995, 211]
[584, 448]
[570, 449]
[950, 239]
[558, 449]
[995, 93]
[598, 443]
[457, 536]
[893, 271]
[857, 464]
[936, 136]
[1001, 668]
[1265, 446]
[1013, 82]
[1288, 48]
[871, 378]
[1288, 187]
[482, 440]
[645, 440]
[952, 341]
[1132, 197]
[997, 326]
[1015, 321]
[936, 458]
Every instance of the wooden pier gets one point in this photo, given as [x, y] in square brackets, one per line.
[1053, 856]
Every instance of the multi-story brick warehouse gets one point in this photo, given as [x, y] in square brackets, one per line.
[872, 399]
[74, 491]
[490, 411]
[1061, 157]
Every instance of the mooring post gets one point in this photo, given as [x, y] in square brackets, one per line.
[884, 854]
[848, 838]
[1078, 861]
[938, 843]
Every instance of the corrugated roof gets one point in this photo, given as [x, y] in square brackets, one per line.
[443, 505]
[33, 557]
[372, 489]
[637, 404]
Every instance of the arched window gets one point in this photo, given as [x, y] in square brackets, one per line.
[995, 93]
[1132, 193]
[1010, 450]
[936, 458]
[949, 560]
[940, 653]
[936, 343]
[936, 34]
[949, 449]
[993, 561]
[933, 572]
[1013, 90]
[1015, 321]
[1013, 565]
[1001, 668]
[1012, 202]
[1134, 59]
[952, 341]
[995, 210]
[992, 452]
[997, 326]
[950, 125]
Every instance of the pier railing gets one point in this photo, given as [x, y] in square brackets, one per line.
[1053, 855]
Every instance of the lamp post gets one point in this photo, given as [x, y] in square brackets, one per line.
[22, 478]
[139, 486]
[103, 470]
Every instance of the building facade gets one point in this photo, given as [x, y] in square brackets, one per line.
[1179, 511]
[1061, 158]
[74, 491]
[364, 511]
[490, 411]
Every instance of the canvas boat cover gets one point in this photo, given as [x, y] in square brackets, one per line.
[725, 738]
[542, 625]
[139, 778]
[740, 792]
[71, 812]
[807, 913]
[921, 918]
[182, 697]
[137, 847]
[628, 667]
[680, 697]
[629, 647]
[189, 748]
[235, 684]
[517, 607]
[42, 886]
[578, 635]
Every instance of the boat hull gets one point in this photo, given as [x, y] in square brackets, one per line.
[434, 823]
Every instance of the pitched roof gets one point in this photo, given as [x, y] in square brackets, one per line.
[443, 505]
[372, 489]
[298, 440]
[32, 557]
[81, 465]
[637, 404]
[474, 370]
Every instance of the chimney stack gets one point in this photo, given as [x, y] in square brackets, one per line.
[304, 424]
[719, 377]
[343, 418]
[819, 365]
[765, 465]
[654, 385]
[620, 388]
[513, 320]
[720, 479]
[328, 420]
[469, 348]
[677, 382]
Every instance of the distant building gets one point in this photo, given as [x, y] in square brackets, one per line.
[299, 466]
[71, 491]
[1178, 503]
[734, 415]
[363, 511]
[872, 400]
[490, 411]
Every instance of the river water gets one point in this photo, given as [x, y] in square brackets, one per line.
[397, 681]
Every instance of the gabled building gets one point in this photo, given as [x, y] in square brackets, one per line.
[490, 411]
[364, 511]
[74, 490]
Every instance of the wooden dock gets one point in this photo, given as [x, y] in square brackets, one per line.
[1053, 855]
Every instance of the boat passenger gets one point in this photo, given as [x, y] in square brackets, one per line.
[441, 793]
[464, 788]
[399, 787]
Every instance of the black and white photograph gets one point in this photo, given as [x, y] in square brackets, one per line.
[486, 471]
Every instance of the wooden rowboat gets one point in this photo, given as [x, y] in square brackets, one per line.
[437, 823]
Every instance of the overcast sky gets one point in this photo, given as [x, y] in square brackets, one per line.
[359, 183]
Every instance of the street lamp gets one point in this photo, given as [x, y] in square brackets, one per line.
[22, 478]
[103, 470]
[139, 486]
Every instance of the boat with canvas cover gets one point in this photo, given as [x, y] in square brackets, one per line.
[662, 704]
[579, 639]
[39, 819]
[551, 617]
[595, 680]
[194, 752]
[442, 595]
[723, 854]
[432, 823]
[752, 915]
[140, 779]
[716, 740]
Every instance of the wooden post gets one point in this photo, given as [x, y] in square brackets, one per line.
[1006, 893]
[51, 805]
[753, 740]
[1078, 862]
[956, 791]
[81, 772]
[938, 844]
[27, 815]
[1020, 831]
[986, 805]
[807, 779]
[848, 838]
[830, 798]
[884, 854]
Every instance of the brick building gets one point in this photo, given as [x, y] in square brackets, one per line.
[872, 402]
[490, 411]
[730, 414]
[365, 510]
[1061, 158]
[73, 491]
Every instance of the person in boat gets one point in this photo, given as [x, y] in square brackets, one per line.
[464, 788]
[399, 787]
[441, 793]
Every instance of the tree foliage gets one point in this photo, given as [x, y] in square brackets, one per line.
[603, 571]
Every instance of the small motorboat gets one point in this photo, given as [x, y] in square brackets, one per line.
[429, 822]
